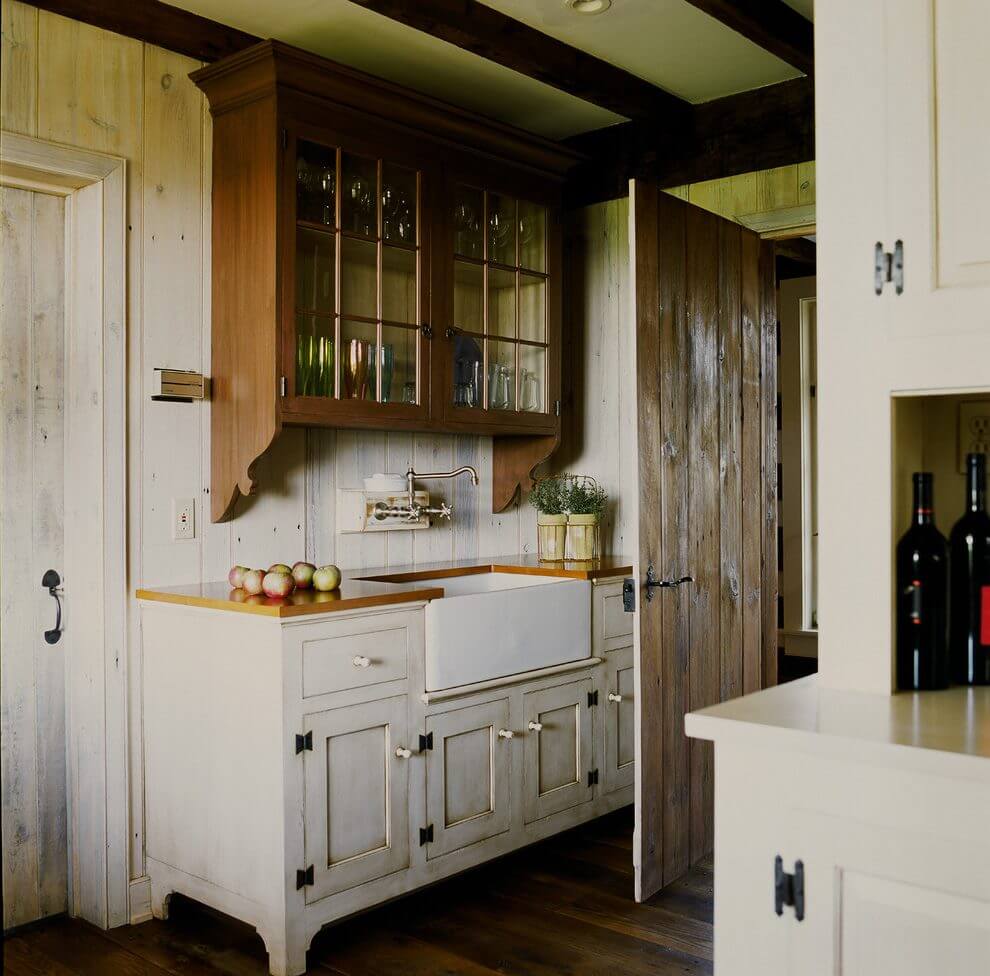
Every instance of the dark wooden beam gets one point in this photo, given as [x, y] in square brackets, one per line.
[771, 24]
[760, 129]
[490, 34]
[798, 249]
[156, 23]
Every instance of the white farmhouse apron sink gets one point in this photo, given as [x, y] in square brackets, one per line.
[493, 625]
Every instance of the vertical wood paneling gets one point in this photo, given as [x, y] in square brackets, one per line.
[18, 68]
[703, 452]
[321, 501]
[676, 556]
[359, 455]
[752, 468]
[399, 448]
[730, 461]
[435, 452]
[770, 582]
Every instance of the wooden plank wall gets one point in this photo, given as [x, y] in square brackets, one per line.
[75, 84]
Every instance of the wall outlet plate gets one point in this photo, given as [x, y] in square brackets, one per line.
[183, 519]
[974, 430]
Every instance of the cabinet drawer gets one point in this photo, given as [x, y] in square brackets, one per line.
[357, 652]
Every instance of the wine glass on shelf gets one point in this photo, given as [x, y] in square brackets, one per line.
[362, 195]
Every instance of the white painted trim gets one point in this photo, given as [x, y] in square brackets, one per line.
[94, 185]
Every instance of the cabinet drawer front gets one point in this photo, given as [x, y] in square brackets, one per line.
[559, 756]
[358, 652]
[612, 627]
[357, 794]
[467, 776]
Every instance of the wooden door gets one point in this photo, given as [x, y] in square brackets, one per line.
[467, 776]
[559, 769]
[32, 682]
[706, 386]
[357, 795]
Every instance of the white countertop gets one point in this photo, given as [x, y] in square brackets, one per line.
[943, 731]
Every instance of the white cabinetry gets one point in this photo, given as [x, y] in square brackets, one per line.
[903, 155]
[298, 771]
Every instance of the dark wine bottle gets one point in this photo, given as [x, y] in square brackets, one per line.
[922, 597]
[969, 574]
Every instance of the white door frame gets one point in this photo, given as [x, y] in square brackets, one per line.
[95, 572]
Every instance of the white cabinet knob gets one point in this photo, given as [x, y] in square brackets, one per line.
[535, 726]
[506, 734]
[614, 698]
[361, 662]
[402, 753]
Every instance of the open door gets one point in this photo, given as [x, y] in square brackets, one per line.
[706, 354]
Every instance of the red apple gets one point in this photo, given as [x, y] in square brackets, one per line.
[278, 584]
[236, 576]
[253, 580]
[302, 573]
[326, 578]
[279, 568]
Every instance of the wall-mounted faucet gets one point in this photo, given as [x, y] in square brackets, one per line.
[412, 512]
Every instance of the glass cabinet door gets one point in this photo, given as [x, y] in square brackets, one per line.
[499, 335]
[358, 276]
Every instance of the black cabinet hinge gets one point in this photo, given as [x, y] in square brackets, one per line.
[425, 835]
[285, 138]
[304, 742]
[426, 742]
[592, 699]
[304, 878]
[788, 889]
[629, 595]
[888, 266]
[593, 777]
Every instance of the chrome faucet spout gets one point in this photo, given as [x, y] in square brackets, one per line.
[412, 475]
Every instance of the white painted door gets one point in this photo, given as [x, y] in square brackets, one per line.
[559, 769]
[357, 795]
[32, 671]
[467, 776]
[938, 204]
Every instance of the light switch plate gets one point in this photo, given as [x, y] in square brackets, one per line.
[183, 519]
[974, 430]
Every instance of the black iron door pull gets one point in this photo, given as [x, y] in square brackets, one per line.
[652, 581]
[51, 581]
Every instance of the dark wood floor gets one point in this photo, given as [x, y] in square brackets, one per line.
[561, 908]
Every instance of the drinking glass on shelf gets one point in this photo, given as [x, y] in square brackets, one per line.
[409, 391]
[327, 188]
[529, 390]
[362, 193]
[356, 369]
[386, 356]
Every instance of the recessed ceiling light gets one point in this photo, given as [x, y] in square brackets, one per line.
[588, 6]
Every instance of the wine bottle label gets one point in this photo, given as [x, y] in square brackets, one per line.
[985, 616]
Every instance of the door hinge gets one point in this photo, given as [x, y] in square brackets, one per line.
[556, 408]
[888, 267]
[593, 777]
[283, 386]
[425, 835]
[788, 889]
[285, 138]
[304, 878]
[592, 699]
[304, 742]
[629, 595]
[426, 742]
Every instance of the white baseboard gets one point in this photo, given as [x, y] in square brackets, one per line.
[139, 897]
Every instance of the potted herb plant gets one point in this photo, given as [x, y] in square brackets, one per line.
[548, 497]
[585, 505]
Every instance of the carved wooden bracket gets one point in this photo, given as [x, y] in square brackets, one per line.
[514, 459]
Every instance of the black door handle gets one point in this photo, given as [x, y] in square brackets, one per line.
[51, 581]
[651, 581]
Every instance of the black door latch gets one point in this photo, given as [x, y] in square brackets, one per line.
[629, 595]
[51, 582]
[788, 889]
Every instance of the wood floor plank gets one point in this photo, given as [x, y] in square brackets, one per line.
[560, 908]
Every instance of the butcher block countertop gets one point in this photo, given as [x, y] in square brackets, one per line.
[360, 589]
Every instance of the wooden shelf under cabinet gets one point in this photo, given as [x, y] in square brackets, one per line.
[380, 261]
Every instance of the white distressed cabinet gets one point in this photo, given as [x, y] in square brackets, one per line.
[297, 770]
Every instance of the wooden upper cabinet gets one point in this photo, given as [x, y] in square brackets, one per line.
[380, 260]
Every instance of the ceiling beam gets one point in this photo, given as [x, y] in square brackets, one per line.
[771, 24]
[490, 34]
[156, 23]
[760, 129]
[797, 249]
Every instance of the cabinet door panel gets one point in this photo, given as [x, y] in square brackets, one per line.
[619, 721]
[467, 776]
[559, 756]
[357, 790]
